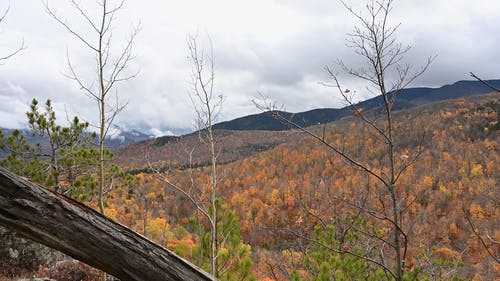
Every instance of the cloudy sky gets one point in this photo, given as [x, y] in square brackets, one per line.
[275, 47]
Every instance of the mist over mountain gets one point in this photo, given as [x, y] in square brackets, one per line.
[117, 138]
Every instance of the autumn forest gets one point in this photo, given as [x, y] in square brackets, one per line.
[386, 191]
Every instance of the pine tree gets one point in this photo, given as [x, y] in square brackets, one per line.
[63, 158]
[233, 256]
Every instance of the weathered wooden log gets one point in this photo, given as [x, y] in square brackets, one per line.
[84, 234]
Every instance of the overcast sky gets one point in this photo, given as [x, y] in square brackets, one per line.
[276, 47]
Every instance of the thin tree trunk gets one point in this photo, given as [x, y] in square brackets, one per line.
[102, 109]
[214, 234]
[79, 231]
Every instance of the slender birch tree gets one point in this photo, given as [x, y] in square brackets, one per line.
[228, 257]
[111, 68]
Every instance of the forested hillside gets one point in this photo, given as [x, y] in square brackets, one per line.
[292, 209]
[186, 150]
[281, 195]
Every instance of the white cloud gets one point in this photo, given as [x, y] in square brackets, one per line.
[158, 133]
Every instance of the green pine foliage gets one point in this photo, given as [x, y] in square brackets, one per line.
[233, 256]
[64, 159]
[325, 260]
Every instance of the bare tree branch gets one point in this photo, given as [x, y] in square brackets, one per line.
[478, 235]
[484, 82]
[374, 40]
[65, 24]
[21, 47]
[276, 114]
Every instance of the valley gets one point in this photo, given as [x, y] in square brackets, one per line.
[293, 185]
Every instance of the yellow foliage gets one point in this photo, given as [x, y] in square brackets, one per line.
[223, 252]
[237, 199]
[442, 187]
[111, 213]
[476, 211]
[476, 171]
[291, 256]
[382, 232]
[275, 196]
[150, 195]
[156, 226]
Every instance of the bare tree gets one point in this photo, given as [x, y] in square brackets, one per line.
[374, 40]
[206, 197]
[385, 74]
[21, 47]
[111, 68]
[207, 106]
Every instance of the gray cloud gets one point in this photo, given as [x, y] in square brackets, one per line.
[278, 48]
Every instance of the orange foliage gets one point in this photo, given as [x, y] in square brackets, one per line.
[296, 183]
[446, 253]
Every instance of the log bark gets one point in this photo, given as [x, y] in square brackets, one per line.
[84, 234]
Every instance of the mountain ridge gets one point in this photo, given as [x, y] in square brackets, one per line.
[405, 98]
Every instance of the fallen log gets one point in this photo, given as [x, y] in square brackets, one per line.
[79, 231]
